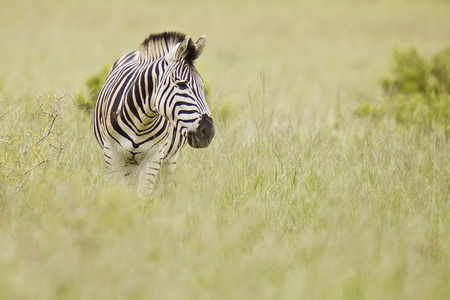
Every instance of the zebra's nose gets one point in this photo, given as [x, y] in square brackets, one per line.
[203, 135]
[206, 127]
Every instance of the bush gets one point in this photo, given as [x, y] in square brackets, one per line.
[417, 92]
[28, 140]
[86, 99]
[428, 109]
[440, 70]
[410, 73]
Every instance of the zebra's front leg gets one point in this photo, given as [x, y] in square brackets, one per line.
[148, 176]
[169, 165]
[118, 169]
[113, 163]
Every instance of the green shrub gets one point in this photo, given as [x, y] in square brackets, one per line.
[417, 91]
[410, 73]
[86, 99]
[427, 109]
[367, 109]
[440, 70]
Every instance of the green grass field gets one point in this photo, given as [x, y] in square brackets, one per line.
[296, 197]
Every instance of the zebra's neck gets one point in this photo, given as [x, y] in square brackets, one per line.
[137, 103]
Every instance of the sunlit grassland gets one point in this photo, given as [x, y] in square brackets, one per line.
[295, 198]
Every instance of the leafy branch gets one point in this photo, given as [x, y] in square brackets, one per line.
[25, 152]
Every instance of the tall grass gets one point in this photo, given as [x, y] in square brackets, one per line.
[294, 199]
[286, 210]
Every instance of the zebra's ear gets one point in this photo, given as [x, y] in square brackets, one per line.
[178, 51]
[199, 46]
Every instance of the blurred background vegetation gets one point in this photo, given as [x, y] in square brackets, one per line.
[417, 91]
[313, 54]
[328, 177]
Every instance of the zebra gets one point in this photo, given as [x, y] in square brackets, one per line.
[152, 101]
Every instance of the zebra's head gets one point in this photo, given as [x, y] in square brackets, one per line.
[180, 96]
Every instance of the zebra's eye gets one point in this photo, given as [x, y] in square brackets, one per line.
[182, 85]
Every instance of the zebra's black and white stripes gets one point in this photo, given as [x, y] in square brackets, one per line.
[152, 102]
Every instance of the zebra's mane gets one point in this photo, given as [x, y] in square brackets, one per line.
[158, 45]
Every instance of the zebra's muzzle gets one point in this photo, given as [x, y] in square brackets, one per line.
[203, 135]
